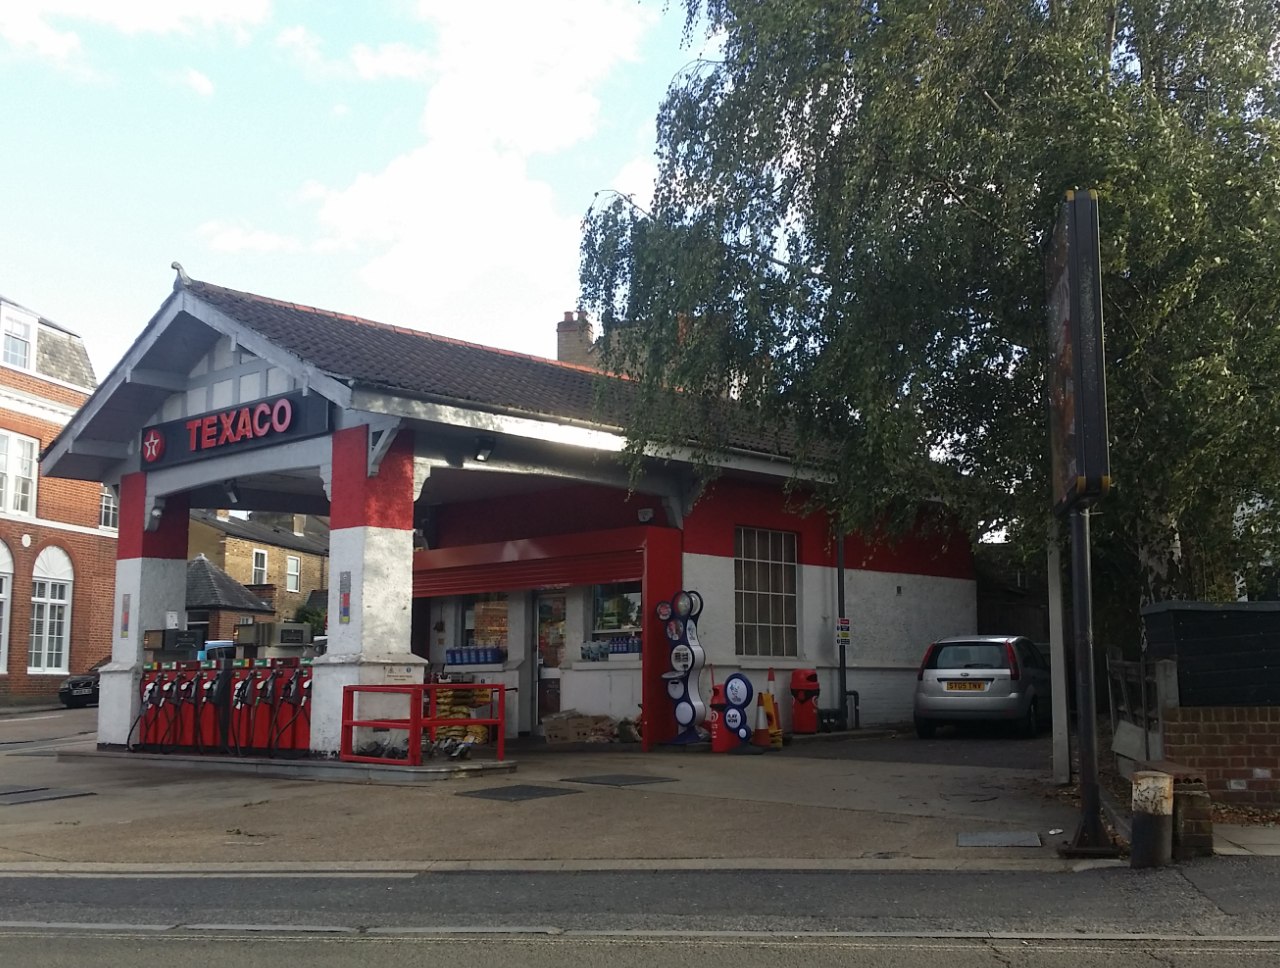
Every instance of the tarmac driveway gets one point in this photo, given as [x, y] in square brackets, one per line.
[983, 747]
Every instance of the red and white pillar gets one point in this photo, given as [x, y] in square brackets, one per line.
[370, 581]
[151, 581]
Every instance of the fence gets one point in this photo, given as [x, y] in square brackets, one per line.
[425, 701]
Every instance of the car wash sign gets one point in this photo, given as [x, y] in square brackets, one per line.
[248, 426]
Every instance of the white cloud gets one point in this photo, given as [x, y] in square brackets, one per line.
[198, 82]
[302, 43]
[46, 28]
[225, 236]
[389, 60]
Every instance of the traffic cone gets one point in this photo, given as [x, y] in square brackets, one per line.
[760, 736]
[774, 712]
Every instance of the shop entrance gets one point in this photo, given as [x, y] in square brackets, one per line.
[549, 625]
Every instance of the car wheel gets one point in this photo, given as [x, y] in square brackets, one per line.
[926, 729]
[1031, 722]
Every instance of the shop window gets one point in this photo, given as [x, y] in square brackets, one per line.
[617, 608]
[484, 621]
[764, 587]
[51, 584]
[108, 509]
[6, 584]
[293, 573]
[18, 473]
[259, 567]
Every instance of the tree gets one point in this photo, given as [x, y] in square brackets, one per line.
[848, 235]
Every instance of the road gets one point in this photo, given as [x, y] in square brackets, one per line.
[1194, 915]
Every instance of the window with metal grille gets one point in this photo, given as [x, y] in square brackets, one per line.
[764, 591]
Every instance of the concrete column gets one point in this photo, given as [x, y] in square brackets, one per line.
[370, 583]
[151, 580]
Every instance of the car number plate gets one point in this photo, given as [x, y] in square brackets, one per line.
[965, 686]
[81, 692]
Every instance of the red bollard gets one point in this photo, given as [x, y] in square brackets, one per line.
[804, 701]
[723, 739]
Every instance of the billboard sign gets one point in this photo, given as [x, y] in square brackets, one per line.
[1077, 387]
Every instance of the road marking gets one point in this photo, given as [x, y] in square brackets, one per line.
[27, 719]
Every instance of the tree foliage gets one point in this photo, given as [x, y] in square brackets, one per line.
[848, 233]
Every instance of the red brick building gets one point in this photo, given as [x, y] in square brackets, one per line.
[57, 537]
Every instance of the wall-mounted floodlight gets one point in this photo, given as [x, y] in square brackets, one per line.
[484, 448]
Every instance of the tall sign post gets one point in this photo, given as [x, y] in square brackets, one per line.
[1081, 461]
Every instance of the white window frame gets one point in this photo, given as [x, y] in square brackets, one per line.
[108, 510]
[292, 573]
[11, 319]
[52, 588]
[6, 593]
[11, 447]
[254, 574]
[766, 594]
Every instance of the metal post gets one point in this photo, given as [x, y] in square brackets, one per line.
[843, 718]
[1058, 664]
[1091, 837]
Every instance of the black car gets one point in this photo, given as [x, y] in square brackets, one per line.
[82, 688]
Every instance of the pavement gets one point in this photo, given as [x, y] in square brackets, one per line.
[880, 803]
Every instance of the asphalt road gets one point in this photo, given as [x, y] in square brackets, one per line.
[983, 745]
[146, 950]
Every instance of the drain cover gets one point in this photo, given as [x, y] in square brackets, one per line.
[619, 779]
[999, 838]
[518, 792]
[36, 796]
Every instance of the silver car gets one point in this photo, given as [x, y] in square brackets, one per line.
[982, 678]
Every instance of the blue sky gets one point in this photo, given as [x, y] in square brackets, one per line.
[419, 162]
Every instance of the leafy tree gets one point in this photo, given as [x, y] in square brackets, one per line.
[317, 618]
[848, 234]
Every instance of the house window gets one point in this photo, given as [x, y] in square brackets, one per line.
[18, 473]
[17, 341]
[259, 567]
[51, 583]
[764, 587]
[293, 573]
[6, 583]
[108, 509]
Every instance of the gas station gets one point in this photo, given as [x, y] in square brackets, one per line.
[482, 523]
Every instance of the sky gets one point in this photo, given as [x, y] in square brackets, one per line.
[417, 162]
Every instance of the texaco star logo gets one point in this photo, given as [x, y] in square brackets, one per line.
[152, 446]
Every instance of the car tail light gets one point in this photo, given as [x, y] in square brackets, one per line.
[924, 662]
[1015, 670]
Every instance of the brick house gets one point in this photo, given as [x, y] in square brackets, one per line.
[57, 537]
[281, 559]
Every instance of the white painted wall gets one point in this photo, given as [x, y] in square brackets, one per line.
[894, 618]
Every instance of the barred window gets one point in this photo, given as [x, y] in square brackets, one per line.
[764, 586]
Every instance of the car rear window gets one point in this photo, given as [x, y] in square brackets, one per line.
[969, 655]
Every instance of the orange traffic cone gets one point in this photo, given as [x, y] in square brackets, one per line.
[760, 735]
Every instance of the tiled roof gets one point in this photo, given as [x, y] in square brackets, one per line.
[261, 533]
[209, 587]
[411, 362]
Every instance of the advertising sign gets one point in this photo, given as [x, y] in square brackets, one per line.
[1077, 391]
[275, 420]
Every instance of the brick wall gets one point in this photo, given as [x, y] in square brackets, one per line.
[93, 556]
[1236, 748]
[238, 563]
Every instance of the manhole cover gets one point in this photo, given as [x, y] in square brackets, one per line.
[619, 779]
[518, 792]
[36, 796]
[999, 838]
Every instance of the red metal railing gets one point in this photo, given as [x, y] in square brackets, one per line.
[423, 708]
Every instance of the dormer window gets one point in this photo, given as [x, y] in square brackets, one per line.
[19, 339]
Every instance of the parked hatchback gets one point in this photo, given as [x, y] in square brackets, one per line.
[982, 678]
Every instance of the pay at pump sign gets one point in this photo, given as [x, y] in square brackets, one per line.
[843, 636]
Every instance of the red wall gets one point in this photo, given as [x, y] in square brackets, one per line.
[941, 551]
[564, 510]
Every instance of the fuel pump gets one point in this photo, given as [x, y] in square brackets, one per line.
[218, 689]
[266, 694]
[150, 700]
[291, 697]
[241, 710]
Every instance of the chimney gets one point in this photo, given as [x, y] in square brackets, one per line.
[574, 339]
[299, 524]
